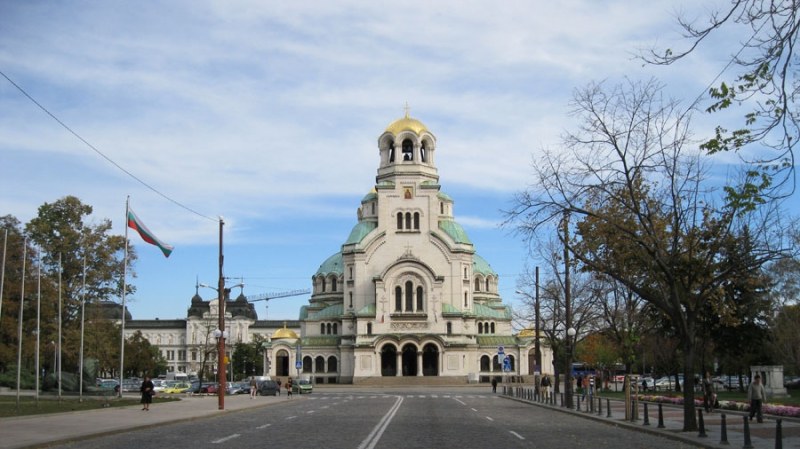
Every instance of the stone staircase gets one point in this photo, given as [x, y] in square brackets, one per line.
[409, 381]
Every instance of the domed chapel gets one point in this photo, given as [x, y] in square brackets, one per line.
[406, 295]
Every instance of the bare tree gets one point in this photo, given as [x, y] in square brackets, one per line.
[645, 216]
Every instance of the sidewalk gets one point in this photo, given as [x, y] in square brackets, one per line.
[39, 430]
[762, 436]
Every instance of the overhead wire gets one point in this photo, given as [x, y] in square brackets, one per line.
[103, 155]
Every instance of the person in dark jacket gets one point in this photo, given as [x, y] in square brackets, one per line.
[147, 392]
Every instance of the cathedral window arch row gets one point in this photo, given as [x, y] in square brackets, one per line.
[485, 284]
[486, 327]
[408, 220]
[329, 328]
[406, 147]
[327, 284]
[410, 295]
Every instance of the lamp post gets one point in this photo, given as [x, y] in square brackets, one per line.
[537, 353]
[567, 316]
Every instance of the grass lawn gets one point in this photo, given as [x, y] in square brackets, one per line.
[50, 404]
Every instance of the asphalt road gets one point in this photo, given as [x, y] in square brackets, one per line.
[388, 419]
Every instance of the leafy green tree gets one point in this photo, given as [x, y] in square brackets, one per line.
[644, 216]
[142, 358]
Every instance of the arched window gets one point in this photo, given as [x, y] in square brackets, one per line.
[480, 328]
[319, 364]
[398, 299]
[420, 303]
[329, 329]
[322, 328]
[335, 328]
[441, 207]
[373, 208]
[391, 152]
[492, 327]
[400, 220]
[351, 300]
[408, 150]
[307, 364]
[333, 364]
[449, 328]
[477, 285]
[465, 299]
[485, 364]
[369, 328]
[422, 152]
[408, 220]
[416, 220]
[487, 284]
[409, 296]
[333, 284]
[323, 285]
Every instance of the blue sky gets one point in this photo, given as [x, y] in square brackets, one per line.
[268, 113]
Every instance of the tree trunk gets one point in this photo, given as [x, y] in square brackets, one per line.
[689, 412]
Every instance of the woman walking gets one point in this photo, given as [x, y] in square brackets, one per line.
[147, 393]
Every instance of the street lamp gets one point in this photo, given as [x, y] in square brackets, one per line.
[568, 372]
[220, 334]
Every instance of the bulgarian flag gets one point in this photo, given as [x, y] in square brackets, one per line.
[137, 225]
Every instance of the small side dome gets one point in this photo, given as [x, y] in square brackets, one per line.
[407, 124]
[285, 334]
[332, 265]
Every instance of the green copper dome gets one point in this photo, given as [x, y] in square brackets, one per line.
[332, 265]
[481, 266]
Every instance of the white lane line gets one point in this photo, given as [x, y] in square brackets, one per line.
[474, 409]
[516, 435]
[324, 406]
[489, 418]
[264, 426]
[229, 437]
[460, 402]
[310, 412]
[290, 417]
[375, 436]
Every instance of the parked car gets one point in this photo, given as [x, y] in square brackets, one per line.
[176, 387]
[731, 383]
[108, 384]
[237, 388]
[210, 388]
[666, 383]
[159, 385]
[267, 388]
[791, 383]
[302, 386]
[129, 386]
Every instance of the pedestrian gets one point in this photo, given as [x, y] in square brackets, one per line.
[278, 383]
[253, 387]
[494, 384]
[546, 387]
[644, 384]
[585, 387]
[147, 393]
[289, 387]
[708, 393]
[756, 394]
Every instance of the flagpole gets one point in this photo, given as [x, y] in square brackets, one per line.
[3, 272]
[124, 288]
[21, 306]
[59, 327]
[38, 318]
[83, 307]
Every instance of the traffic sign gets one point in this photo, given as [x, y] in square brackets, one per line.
[501, 350]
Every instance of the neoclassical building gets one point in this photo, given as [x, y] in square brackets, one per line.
[406, 294]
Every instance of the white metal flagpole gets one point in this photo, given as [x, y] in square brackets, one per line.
[83, 307]
[38, 317]
[58, 362]
[21, 307]
[3, 272]
[124, 288]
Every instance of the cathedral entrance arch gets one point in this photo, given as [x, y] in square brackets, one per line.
[388, 360]
[409, 360]
[430, 360]
[282, 363]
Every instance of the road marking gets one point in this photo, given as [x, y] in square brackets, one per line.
[516, 435]
[461, 402]
[264, 426]
[324, 406]
[290, 417]
[375, 436]
[310, 412]
[474, 409]
[229, 437]
[489, 418]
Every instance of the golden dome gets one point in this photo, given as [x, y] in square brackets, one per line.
[286, 334]
[407, 124]
[527, 333]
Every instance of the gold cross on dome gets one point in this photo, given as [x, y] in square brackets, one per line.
[407, 109]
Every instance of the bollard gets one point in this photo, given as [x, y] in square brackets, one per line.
[660, 417]
[646, 416]
[578, 402]
[608, 408]
[779, 434]
[747, 443]
[599, 406]
[701, 423]
[723, 435]
[562, 398]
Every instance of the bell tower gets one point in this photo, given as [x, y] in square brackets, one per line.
[407, 149]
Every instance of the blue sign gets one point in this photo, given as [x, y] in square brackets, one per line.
[298, 364]
[507, 364]
[501, 350]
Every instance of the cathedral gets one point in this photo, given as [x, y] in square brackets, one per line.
[406, 294]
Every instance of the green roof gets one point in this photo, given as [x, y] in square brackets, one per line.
[480, 265]
[332, 265]
[444, 196]
[334, 311]
[455, 231]
[496, 340]
[483, 311]
[369, 197]
[449, 309]
[367, 311]
[360, 231]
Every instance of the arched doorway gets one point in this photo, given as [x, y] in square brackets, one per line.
[388, 360]
[430, 360]
[282, 363]
[409, 360]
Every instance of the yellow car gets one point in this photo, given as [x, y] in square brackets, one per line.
[178, 387]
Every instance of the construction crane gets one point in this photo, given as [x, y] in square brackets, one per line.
[266, 297]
